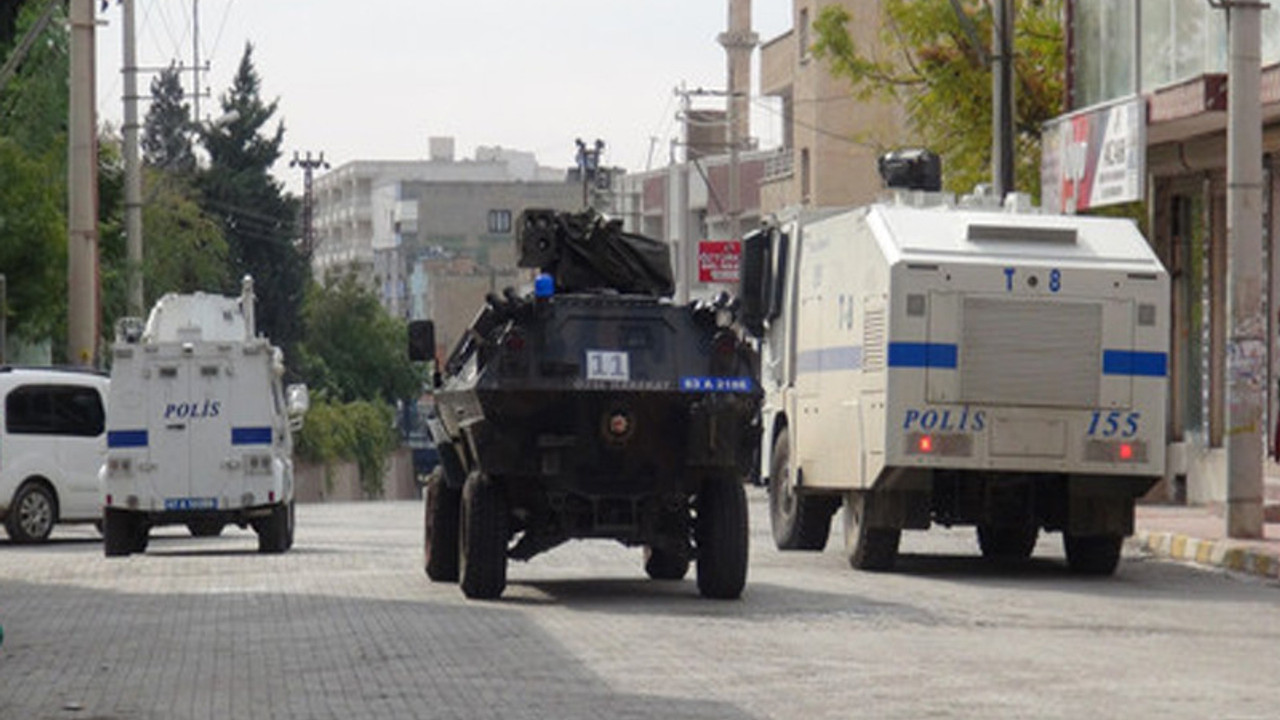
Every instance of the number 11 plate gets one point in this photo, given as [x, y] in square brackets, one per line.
[608, 365]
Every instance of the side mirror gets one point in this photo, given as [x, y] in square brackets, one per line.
[299, 399]
[422, 340]
[755, 280]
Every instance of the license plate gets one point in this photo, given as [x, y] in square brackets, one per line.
[191, 503]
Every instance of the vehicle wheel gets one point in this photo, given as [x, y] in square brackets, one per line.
[867, 548]
[799, 522]
[117, 532]
[275, 530]
[32, 514]
[1007, 543]
[720, 536]
[484, 535]
[442, 506]
[288, 545]
[139, 532]
[205, 528]
[1092, 554]
[662, 564]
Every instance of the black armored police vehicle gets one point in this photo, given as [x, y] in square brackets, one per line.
[592, 407]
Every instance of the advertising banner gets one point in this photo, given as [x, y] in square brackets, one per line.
[1094, 157]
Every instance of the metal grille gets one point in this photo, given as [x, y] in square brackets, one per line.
[873, 340]
[1030, 353]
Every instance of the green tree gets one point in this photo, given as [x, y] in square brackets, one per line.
[166, 137]
[256, 217]
[33, 105]
[939, 71]
[33, 247]
[33, 118]
[185, 249]
[353, 349]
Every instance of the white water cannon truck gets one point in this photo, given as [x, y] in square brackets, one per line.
[972, 363]
[199, 425]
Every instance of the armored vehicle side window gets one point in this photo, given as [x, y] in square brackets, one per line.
[54, 410]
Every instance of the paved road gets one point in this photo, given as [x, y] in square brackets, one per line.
[347, 626]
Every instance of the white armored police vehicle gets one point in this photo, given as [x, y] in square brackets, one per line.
[199, 425]
[927, 362]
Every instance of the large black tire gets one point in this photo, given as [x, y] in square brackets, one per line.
[1092, 554]
[32, 514]
[662, 564]
[484, 536]
[139, 533]
[275, 532]
[799, 522]
[721, 538]
[1007, 543]
[117, 532]
[205, 528]
[867, 548]
[442, 506]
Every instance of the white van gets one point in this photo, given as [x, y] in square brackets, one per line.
[200, 428]
[52, 441]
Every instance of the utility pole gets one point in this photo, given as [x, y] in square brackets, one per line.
[132, 171]
[195, 59]
[685, 244]
[308, 165]
[1247, 343]
[1002, 100]
[82, 196]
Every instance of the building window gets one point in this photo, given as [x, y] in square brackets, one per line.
[500, 222]
[804, 175]
[802, 33]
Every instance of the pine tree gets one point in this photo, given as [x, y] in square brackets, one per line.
[257, 218]
[166, 139]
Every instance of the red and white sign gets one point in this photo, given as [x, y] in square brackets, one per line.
[1094, 157]
[718, 261]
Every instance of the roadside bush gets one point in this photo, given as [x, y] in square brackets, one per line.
[359, 432]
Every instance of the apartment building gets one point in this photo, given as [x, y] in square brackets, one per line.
[831, 140]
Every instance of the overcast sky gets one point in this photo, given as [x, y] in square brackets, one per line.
[373, 79]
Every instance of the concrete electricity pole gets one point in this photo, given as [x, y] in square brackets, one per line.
[1247, 336]
[308, 201]
[1002, 100]
[132, 171]
[82, 193]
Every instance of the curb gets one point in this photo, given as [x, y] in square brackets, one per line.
[1223, 554]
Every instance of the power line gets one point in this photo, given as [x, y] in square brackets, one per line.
[809, 126]
[226, 12]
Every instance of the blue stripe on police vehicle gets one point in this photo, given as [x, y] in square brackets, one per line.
[126, 438]
[251, 436]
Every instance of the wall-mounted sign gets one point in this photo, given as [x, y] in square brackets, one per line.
[718, 261]
[1094, 157]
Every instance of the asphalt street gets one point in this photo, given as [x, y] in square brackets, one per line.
[348, 626]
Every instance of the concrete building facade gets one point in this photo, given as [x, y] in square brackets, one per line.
[831, 140]
[1169, 59]
[413, 230]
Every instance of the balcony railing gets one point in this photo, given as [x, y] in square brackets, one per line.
[780, 165]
